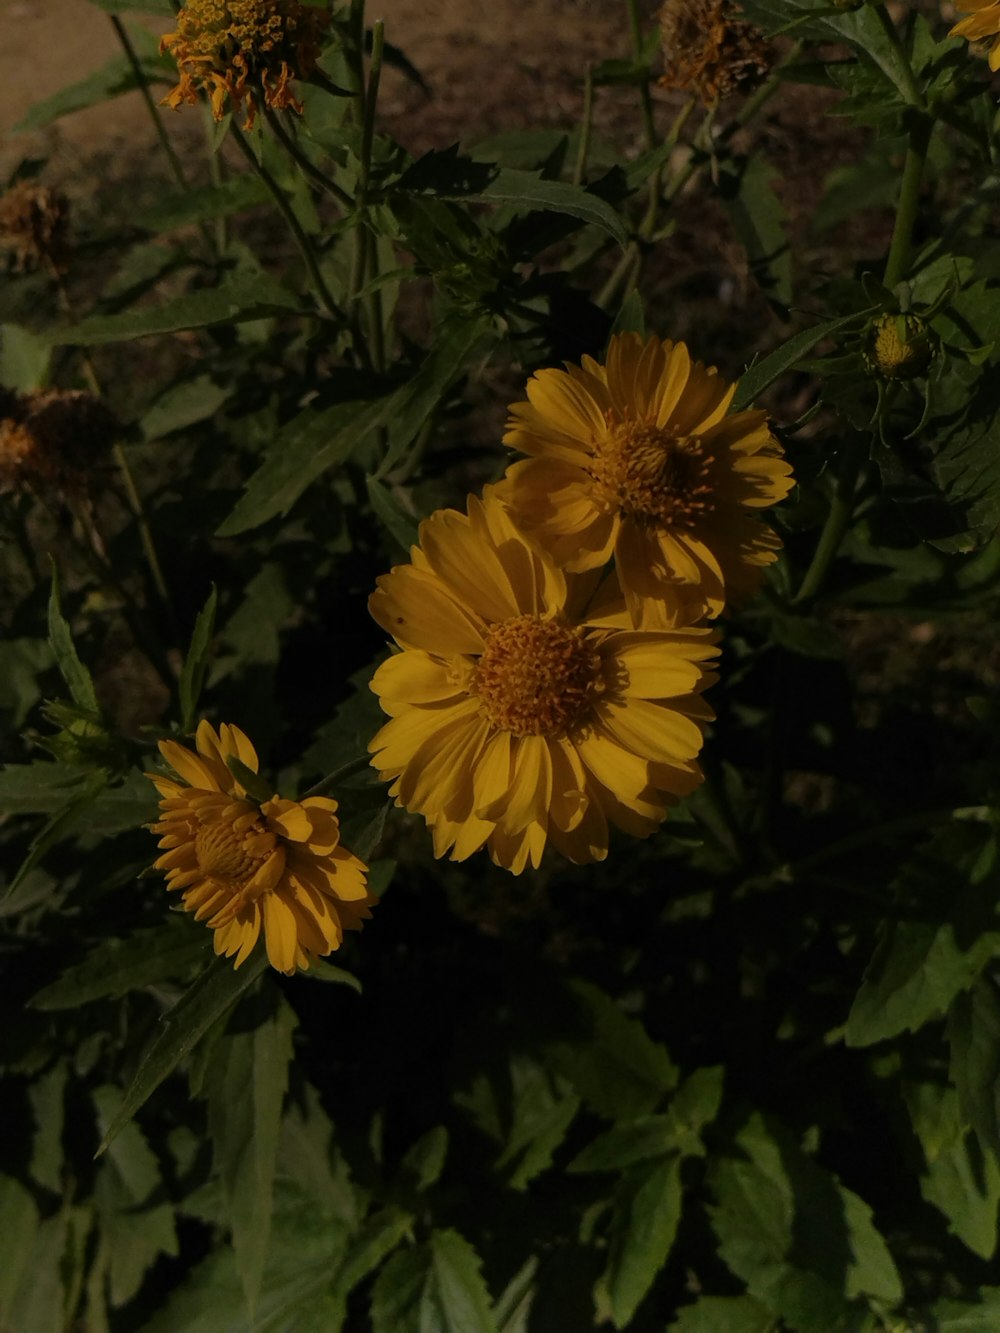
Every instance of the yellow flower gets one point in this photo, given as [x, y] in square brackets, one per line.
[708, 50]
[244, 866]
[524, 708]
[242, 49]
[983, 22]
[638, 459]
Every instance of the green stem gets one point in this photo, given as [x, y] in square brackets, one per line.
[648, 120]
[294, 226]
[154, 115]
[910, 88]
[583, 147]
[364, 257]
[909, 199]
[838, 520]
[308, 169]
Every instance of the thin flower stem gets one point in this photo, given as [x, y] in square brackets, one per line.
[366, 251]
[143, 86]
[648, 119]
[294, 226]
[338, 775]
[838, 520]
[586, 126]
[910, 89]
[308, 169]
[909, 199]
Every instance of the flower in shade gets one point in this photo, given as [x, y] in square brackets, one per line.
[53, 440]
[707, 49]
[34, 226]
[244, 50]
[981, 24]
[524, 708]
[638, 459]
[243, 866]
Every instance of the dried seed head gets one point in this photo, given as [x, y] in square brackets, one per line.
[53, 439]
[707, 49]
[34, 226]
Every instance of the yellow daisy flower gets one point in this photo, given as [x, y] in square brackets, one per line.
[242, 49]
[243, 867]
[524, 708]
[637, 459]
[983, 22]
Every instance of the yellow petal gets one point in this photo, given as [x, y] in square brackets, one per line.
[651, 730]
[419, 612]
[280, 934]
[196, 770]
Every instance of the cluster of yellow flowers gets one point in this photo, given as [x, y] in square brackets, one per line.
[555, 643]
[554, 638]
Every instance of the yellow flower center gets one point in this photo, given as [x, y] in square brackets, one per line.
[224, 854]
[648, 473]
[537, 677]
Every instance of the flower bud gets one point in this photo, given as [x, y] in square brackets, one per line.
[899, 347]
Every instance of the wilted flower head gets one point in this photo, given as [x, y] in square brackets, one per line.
[982, 24]
[707, 49]
[34, 226]
[244, 50]
[245, 866]
[52, 439]
[524, 709]
[899, 347]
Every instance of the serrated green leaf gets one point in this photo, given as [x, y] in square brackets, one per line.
[525, 189]
[239, 297]
[974, 1037]
[423, 1163]
[196, 662]
[646, 1217]
[203, 203]
[39, 789]
[762, 374]
[398, 1290]
[246, 1088]
[919, 966]
[72, 670]
[182, 1027]
[644, 1139]
[456, 1299]
[115, 967]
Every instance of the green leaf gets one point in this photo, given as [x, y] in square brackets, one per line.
[134, 1229]
[39, 789]
[256, 787]
[246, 1088]
[182, 1027]
[400, 525]
[378, 1237]
[610, 1059]
[919, 966]
[72, 670]
[631, 317]
[958, 1179]
[22, 662]
[18, 1226]
[424, 1160]
[203, 203]
[183, 404]
[321, 970]
[526, 189]
[240, 296]
[398, 1290]
[644, 1139]
[196, 662]
[24, 358]
[111, 80]
[759, 219]
[455, 1299]
[762, 374]
[804, 1245]
[963, 1317]
[48, 1107]
[146, 958]
[59, 825]
[161, 7]
[734, 1314]
[974, 1037]
[646, 1217]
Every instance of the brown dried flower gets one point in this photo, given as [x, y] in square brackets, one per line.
[34, 226]
[709, 51]
[52, 438]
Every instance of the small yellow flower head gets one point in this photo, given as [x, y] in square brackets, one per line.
[244, 50]
[981, 25]
[639, 459]
[899, 347]
[52, 440]
[708, 50]
[524, 709]
[243, 867]
[34, 226]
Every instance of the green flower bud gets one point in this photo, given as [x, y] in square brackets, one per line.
[899, 347]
